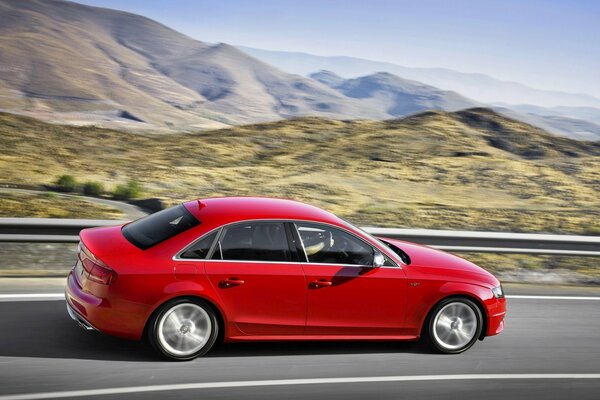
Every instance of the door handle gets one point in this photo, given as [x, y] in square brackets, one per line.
[321, 283]
[231, 282]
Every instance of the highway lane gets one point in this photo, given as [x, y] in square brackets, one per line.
[42, 350]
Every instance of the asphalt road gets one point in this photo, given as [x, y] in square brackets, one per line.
[42, 350]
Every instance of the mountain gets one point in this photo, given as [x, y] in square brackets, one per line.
[67, 62]
[479, 87]
[553, 123]
[590, 114]
[397, 96]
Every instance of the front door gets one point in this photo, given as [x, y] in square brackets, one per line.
[261, 286]
[346, 295]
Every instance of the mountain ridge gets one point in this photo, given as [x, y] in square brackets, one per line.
[469, 84]
[66, 62]
[73, 63]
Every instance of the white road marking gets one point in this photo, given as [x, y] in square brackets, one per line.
[283, 382]
[32, 296]
[528, 297]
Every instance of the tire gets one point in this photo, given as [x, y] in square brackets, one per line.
[183, 329]
[453, 325]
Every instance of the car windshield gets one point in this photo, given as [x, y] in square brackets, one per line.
[155, 228]
[401, 253]
[367, 234]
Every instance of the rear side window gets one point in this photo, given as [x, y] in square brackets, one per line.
[261, 241]
[155, 228]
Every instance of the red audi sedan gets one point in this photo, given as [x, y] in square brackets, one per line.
[246, 269]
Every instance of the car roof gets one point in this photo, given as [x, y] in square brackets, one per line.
[223, 210]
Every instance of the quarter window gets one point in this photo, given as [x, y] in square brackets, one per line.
[327, 245]
[261, 241]
[200, 249]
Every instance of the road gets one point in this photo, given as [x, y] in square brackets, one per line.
[130, 211]
[42, 350]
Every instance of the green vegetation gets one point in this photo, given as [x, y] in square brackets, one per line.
[129, 191]
[66, 183]
[93, 188]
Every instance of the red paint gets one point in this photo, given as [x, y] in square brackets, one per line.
[276, 301]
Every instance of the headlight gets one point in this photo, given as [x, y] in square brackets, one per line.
[498, 292]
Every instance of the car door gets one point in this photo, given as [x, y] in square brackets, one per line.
[261, 285]
[346, 295]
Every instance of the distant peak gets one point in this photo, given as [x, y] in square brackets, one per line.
[328, 78]
[325, 72]
[383, 74]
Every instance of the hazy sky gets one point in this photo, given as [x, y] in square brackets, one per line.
[549, 44]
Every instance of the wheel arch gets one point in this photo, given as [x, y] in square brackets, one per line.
[459, 295]
[219, 314]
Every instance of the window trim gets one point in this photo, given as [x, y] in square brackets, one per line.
[388, 253]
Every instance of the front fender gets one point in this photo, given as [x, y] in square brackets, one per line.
[425, 295]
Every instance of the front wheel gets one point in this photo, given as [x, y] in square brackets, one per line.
[454, 325]
[183, 329]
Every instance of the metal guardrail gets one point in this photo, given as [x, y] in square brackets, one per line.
[67, 231]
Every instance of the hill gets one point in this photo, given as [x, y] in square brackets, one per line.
[471, 169]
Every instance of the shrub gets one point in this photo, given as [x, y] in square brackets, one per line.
[49, 195]
[93, 189]
[66, 183]
[129, 191]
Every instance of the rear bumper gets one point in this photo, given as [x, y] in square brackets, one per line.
[110, 316]
[82, 322]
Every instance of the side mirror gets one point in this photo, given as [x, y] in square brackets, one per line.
[378, 260]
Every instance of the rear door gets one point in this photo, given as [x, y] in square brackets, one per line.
[346, 295]
[258, 278]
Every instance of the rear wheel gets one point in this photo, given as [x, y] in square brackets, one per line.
[454, 325]
[183, 329]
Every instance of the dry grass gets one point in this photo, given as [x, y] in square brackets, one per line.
[435, 170]
[50, 205]
[472, 170]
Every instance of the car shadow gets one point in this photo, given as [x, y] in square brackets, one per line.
[43, 329]
[261, 349]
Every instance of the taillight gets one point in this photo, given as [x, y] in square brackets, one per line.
[96, 269]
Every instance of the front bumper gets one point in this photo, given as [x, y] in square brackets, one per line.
[496, 312]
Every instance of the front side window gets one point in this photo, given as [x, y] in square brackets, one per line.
[155, 228]
[259, 241]
[328, 245]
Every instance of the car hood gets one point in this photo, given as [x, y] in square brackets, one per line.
[427, 257]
